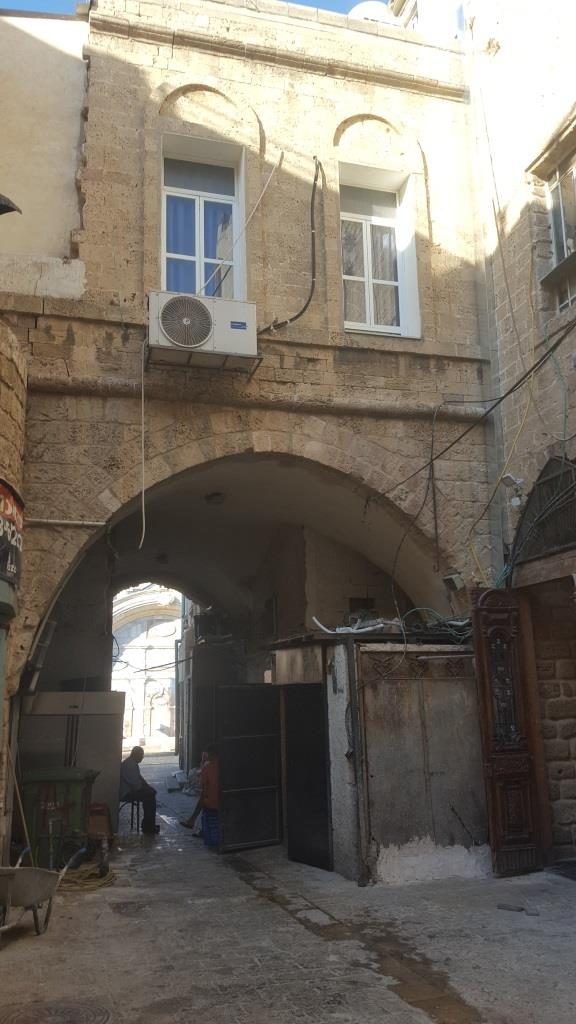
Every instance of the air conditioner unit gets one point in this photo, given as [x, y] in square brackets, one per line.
[196, 330]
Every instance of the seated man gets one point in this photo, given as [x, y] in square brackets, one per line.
[134, 787]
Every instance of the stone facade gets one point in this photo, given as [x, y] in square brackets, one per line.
[12, 406]
[555, 645]
[522, 144]
[519, 145]
[12, 420]
[353, 416]
[362, 405]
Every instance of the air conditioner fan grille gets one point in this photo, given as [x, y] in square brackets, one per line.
[186, 321]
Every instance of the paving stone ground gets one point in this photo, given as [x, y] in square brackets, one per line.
[186, 935]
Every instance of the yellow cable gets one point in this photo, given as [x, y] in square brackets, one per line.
[501, 474]
[86, 879]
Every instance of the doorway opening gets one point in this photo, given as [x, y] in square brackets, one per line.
[287, 544]
[146, 632]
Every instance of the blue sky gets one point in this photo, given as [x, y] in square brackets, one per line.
[69, 6]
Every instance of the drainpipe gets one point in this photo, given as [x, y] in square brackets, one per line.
[359, 772]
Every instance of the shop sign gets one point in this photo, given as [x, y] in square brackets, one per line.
[11, 524]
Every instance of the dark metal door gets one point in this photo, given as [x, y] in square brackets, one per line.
[248, 738]
[510, 726]
[308, 823]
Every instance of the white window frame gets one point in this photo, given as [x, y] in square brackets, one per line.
[554, 183]
[369, 280]
[204, 151]
[565, 263]
[404, 223]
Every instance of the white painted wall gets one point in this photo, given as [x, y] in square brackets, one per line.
[422, 860]
[43, 81]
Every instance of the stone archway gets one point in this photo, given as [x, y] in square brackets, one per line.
[178, 445]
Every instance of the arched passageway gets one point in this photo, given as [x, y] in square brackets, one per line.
[271, 544]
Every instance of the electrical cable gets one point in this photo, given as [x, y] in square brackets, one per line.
[144, 345]
[503, 471]
[143, 447]
[244, 229]
[564, 439]
[495, 403]
[276, 325]
[403, 538]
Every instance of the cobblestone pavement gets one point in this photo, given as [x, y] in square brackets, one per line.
[184, 934]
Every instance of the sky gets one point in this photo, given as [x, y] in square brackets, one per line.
[69, 6]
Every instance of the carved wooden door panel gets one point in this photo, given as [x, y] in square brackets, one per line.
[509, 718]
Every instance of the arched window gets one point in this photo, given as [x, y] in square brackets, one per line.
[548, 522]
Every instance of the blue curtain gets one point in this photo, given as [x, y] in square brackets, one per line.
[181, 225]
[217, 231]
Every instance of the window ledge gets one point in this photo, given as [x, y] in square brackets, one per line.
[379, 332]
[560, 272]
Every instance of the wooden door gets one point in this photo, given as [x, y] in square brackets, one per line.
[510, 726]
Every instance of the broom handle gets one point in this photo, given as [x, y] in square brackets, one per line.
[20, 805]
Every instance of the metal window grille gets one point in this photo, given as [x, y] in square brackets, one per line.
[548, 523]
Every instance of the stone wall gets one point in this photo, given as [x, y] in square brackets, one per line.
[335, 575]
[521, 133]
[13, 371]
[554, 618]
[12, 425]
[283, 84]
[265, 80]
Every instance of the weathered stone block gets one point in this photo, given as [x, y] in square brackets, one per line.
[565, 669]
[552, 649]
[564, 812]
[567, 789]
[564, 707]
[554, 790]
[562, 836]
[567, 729]
[557, 772]
[557, 750]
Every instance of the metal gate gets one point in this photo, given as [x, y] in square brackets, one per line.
[248, 738]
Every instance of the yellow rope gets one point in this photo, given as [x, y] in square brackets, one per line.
[86, 878]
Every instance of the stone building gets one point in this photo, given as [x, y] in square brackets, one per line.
[146, 623]
[332, 166]
[527, 150]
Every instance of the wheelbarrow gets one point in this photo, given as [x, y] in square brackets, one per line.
[23, 889]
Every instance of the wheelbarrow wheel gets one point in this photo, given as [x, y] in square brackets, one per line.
[42, 917]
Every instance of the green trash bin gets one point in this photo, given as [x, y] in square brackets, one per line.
[56, 805]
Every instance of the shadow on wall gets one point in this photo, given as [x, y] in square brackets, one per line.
[43, 92]
[121, 246]
[287, 530]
